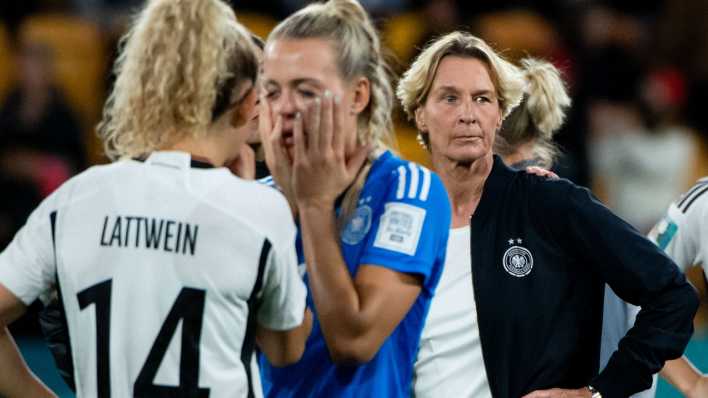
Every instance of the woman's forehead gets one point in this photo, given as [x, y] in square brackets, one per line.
[463, 73]
[288, 59]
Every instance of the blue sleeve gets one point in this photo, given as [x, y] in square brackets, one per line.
[409, 231]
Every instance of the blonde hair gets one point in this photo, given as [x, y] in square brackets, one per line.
[540, 114]
[180, 65]
[415, 85]
[357, 46]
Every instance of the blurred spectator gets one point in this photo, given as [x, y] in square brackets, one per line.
[40, 140]
[643, 157]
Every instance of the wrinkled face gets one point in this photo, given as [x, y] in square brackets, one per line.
[295, 72]
[461, 113]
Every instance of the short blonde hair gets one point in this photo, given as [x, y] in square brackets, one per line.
[540, 114]
[180, 65]
[414, 86]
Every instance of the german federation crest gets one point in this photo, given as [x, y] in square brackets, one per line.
[359, 225]
[517, 260]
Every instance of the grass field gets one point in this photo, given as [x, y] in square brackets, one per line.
[39, 359]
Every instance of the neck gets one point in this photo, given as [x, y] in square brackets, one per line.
[213, 148]
[464, 182]
[522, 152]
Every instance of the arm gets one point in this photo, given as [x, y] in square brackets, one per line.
[357, 315]
[16, 380]
[284, 347]
[640, 274]
[686, 378]
[680, 235]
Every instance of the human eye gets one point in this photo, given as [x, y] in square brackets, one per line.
[483, 99]
[271, 94]
[306, 93]
[450, 98]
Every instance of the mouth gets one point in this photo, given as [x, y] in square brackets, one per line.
[287, 138]
[466, 138]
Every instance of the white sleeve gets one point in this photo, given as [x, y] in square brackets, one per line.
[282, 303]
[27, 265]
[679, 232]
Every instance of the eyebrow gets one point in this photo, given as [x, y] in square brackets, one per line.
[296, 82]
[454, 89]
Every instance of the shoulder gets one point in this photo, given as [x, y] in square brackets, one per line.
[80, 187]
[256, 205]
[693, 201]
[405, 181]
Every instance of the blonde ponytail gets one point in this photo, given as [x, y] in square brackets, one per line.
[540, 114]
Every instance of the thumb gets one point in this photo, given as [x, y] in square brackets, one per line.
[357, 159]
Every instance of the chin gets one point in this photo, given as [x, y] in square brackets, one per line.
[467, 155]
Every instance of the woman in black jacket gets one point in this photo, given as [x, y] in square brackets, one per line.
[541, 249]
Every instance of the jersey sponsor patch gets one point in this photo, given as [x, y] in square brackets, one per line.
[359, 225]
[663, 232]
[400, 228]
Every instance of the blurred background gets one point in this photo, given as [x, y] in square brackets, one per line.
[637, 71]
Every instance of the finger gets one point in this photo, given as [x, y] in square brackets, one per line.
[337, 135]
[278, 144]
[264, 121]
[300, 149]
[312, 124]
[326, 122]
[537, 394]
[357, 159]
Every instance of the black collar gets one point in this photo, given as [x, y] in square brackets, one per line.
[195, 164]
[495, 186]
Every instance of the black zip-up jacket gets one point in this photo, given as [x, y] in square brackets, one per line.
[542, 250]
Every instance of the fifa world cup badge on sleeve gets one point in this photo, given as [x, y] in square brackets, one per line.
[517, 260]
[400, 228]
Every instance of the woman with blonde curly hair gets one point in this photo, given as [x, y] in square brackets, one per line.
[519, 308]
[373, 227]
[166, 236]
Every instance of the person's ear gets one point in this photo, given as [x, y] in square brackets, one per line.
[420, 120]
[362, 95]
[243, 109]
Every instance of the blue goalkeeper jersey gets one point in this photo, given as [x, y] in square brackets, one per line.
[401, 223]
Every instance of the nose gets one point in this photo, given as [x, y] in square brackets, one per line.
[285, 104]
[467, 114]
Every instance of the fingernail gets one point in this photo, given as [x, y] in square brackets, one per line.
[337, 99]
[328, 94]
[298, 115]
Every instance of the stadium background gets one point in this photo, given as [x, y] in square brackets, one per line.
[637, 72]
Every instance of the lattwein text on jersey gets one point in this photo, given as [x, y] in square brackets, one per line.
[132, 231]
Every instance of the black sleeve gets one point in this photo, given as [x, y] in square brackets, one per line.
[641, 274]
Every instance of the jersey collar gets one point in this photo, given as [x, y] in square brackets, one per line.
[177, 160]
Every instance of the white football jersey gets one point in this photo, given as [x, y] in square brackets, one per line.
[163, 269]
[683, 232]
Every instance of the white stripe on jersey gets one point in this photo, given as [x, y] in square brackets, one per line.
[413, 188]
[425, 190]
[401, 182]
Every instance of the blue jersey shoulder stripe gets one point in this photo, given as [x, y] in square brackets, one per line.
[413, 182]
